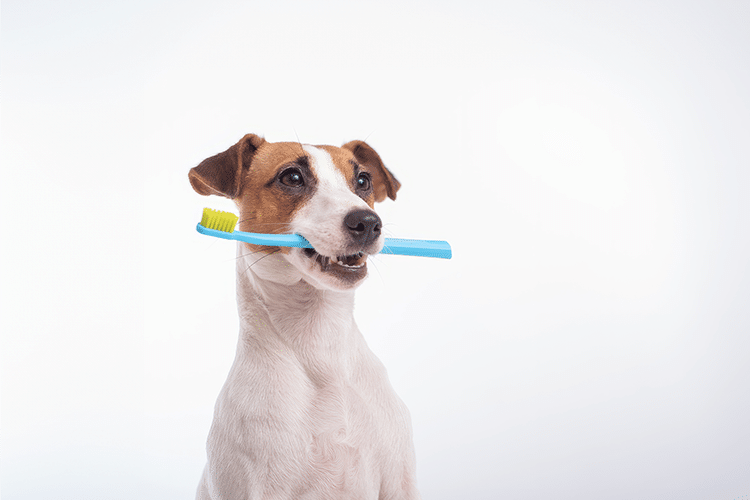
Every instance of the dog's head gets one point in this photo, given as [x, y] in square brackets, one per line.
[323, 193]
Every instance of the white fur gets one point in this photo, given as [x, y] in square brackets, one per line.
[320, 220]
[307, 411]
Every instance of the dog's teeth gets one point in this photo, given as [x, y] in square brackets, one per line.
[341, 260]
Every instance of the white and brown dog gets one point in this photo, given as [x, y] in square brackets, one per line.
[307, 411]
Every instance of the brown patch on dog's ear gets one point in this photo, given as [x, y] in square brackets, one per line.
[384, 182]
[222, 174]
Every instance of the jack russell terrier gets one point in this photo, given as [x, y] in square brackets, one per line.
[307, 411]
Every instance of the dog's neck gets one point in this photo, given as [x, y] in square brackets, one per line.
[277, 309]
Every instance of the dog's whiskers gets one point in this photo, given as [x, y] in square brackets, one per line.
[371, 260]
[258, 260]
[386, 229]
[301, 147]
[253, 253]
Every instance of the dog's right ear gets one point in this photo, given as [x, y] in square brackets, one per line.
[222, 174]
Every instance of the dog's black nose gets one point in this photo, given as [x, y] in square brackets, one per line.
[363, 225]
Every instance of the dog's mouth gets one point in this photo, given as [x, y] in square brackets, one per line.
[347, 265]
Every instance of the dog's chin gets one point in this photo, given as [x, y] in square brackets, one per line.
[345, 272]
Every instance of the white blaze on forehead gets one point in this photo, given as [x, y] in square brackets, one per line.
[321, 219]
[325, 170]
[333, 186]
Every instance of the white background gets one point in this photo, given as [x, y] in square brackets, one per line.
[588, 162]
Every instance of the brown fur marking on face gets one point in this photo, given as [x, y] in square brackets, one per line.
[342, 160]
[265, 207]
[384, 182]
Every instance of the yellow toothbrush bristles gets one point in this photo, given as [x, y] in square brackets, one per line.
[221, 221]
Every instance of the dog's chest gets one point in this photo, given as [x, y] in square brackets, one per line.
[343, 437]
[339, 431]
[308, 408]
[332, 436]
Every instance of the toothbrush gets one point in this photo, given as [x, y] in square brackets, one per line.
[221, 225]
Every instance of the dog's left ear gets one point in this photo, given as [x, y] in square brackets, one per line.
[384, 182]
[222, 174]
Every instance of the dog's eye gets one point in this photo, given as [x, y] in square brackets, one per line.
[292, 178]
[363, 181]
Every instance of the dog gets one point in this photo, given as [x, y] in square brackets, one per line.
[307, 411]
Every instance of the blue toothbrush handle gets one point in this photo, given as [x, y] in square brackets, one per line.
[396, 246]
[417, 248]
[272, 240]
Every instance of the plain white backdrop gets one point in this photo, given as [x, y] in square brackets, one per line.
[588, 162]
